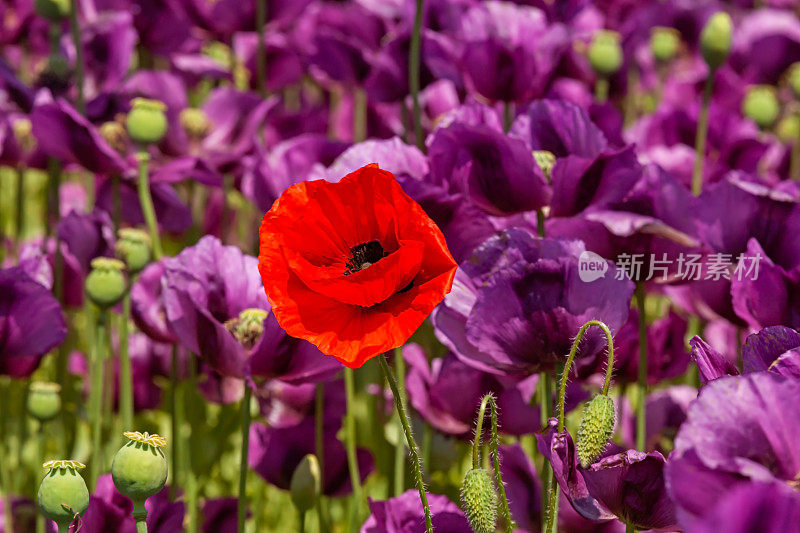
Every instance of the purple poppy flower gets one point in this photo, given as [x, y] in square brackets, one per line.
[766, 42]
[625, 484]
[208, 284]
[518, 301]
[403, 514]
[172, 214]
[196, 67]
[222, 19]
[666, 353]
[283, 55]
[219, 516]
[763, 507]
[725, 442]
[665, 411]
[147, 305]
[560, 127]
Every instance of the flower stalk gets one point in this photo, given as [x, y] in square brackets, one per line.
[146, 202]
[75, 29]
[350, 446]
[641, 422]
[400, 447]
[489, 400]
[702, 134]
[413, 74]
[241, 511]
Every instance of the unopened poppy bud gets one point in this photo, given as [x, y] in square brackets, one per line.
[596, 428]
[761, 105]
[23, 134]
[147, 121]
[44, 400]
[62, 493]
[605, 52]
[305, 486]
[247, 327]
[54, 10]
[479, 499]
[546, 161]
[139, 469]
[715, 39]
[793, 78]
[106, 283]
[133, 247]
[664, 43]
[788, 128]
[115, 135]
[195, 122]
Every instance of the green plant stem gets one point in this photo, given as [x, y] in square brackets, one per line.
[75, 29]
[629, 529]
[413, 74]
[5, 477]
[176, 424]
[412, 445]
[39, 460]
[641, 385]
[63, 527]
[794, 161]
[96, 393]
[350, 446]
[319, 450]
[146, 202]
[476, 458]
[140, 517]
[245, 432]
[359, 115]
[20, 214]
[261, 51]
[508, 115]
[601, 90]
[546, 411]
[702, 134]
[400, 447]
[302, 519]
[53, 200]
[125, 374]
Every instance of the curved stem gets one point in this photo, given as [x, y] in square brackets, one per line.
[245, 432]
[350, 446]
[400, 447]
[75, 29]
[490, 400]
[702, 134]
[413, 74]
[146, 203]
[125, 374]
[412, 444]
[641, 422]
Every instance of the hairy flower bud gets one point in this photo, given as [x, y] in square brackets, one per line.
[306, 484]
[44, 400]
[63, 494]
[247, 327]
[139, 469]
[788, 128]
[596, 428]
[664, 43]
[133, 247]
[715, 39]
[115, 135]
[147, 121]
[761, 105]
[195, 122]
[54, 10]
[479, 500]
[106, 283]
[605, 52]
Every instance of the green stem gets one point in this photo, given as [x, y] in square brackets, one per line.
[400, 447]
[75, 29]
[261, 51]
[350, 446]
[302, 521]
[359, 115]
[96, 393]
[53, 200]
[176, 424]
[546, 411]
[5, 477]
[641, 423]
[140, 517]
[413, 74]
[40, 525]
[146, 202]
[702, 134]
[412, 445]
[601, 90]
[20, 218]
[319, 450]
[629, 528]
[125, 374]
[508, 115]
[794, 161]
[63, 527]
[476, 461]
[245, 432]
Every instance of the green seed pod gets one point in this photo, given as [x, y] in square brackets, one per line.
[788, 128]
[248, 326]
[23, 134]
[793, 78]
[133, 247]
[605, 52]
[44, 400]
[115, 135]
[715, 39]
[106, 283]
[546, 161]
[664, 43]
[761, 105]
[479, 500]
[54, 10]
[146, 121]
[596, 428]
[139, 469]
[306, 484]
[195, 122]
[62, 493]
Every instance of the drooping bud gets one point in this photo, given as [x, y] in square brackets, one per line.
[54, 10]
[139, 469]
[44, 400]
[793, 78]
[23, 134]
[106, 283]
[133, 247]
[664, 43]
[115, 135]
[761, 105]
[195, 122]
[546, 161]
[605, 52]
[247, 327]
[306, 484]
[596, 428]
[788, 128]
[479, 500]
[147, 121]
[63, 495]
[715, 39]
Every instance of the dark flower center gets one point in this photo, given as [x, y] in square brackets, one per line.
[363, 255]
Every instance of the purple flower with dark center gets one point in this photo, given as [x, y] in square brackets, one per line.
[518, 301]
[403, 514]
[560, 127]
[623, 484]
[738, 431]
[219, 515]
[762, 507]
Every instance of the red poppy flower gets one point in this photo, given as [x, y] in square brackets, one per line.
[354, 267]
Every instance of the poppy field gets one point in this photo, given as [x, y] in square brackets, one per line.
[399, 266]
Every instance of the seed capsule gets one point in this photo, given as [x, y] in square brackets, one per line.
[54, 10]
[664, 43]
[62, 493]
[146, 121]
[133, 246]
[596, 429]
[715, 39]
[106, 283]
[195, 122]
[605, 52]
[761, 105]
[479, 499]
[44, 400]
[788, 128]
[139, 469]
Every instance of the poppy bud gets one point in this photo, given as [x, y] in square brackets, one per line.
[247, 327]
[715, 39]
[605, 52]
[305, 486]
[761, 105]
[115, 135]
[479, 499]
[546, 160]
[62, 493]
[195, 122]
[54, 10]
[596, 428]
[146, 121]
[793, 77]
[788, 128]
[139, 469]
[44, 400]
[106, 283]
[664, 43]
[133, 247]
[219, 52]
